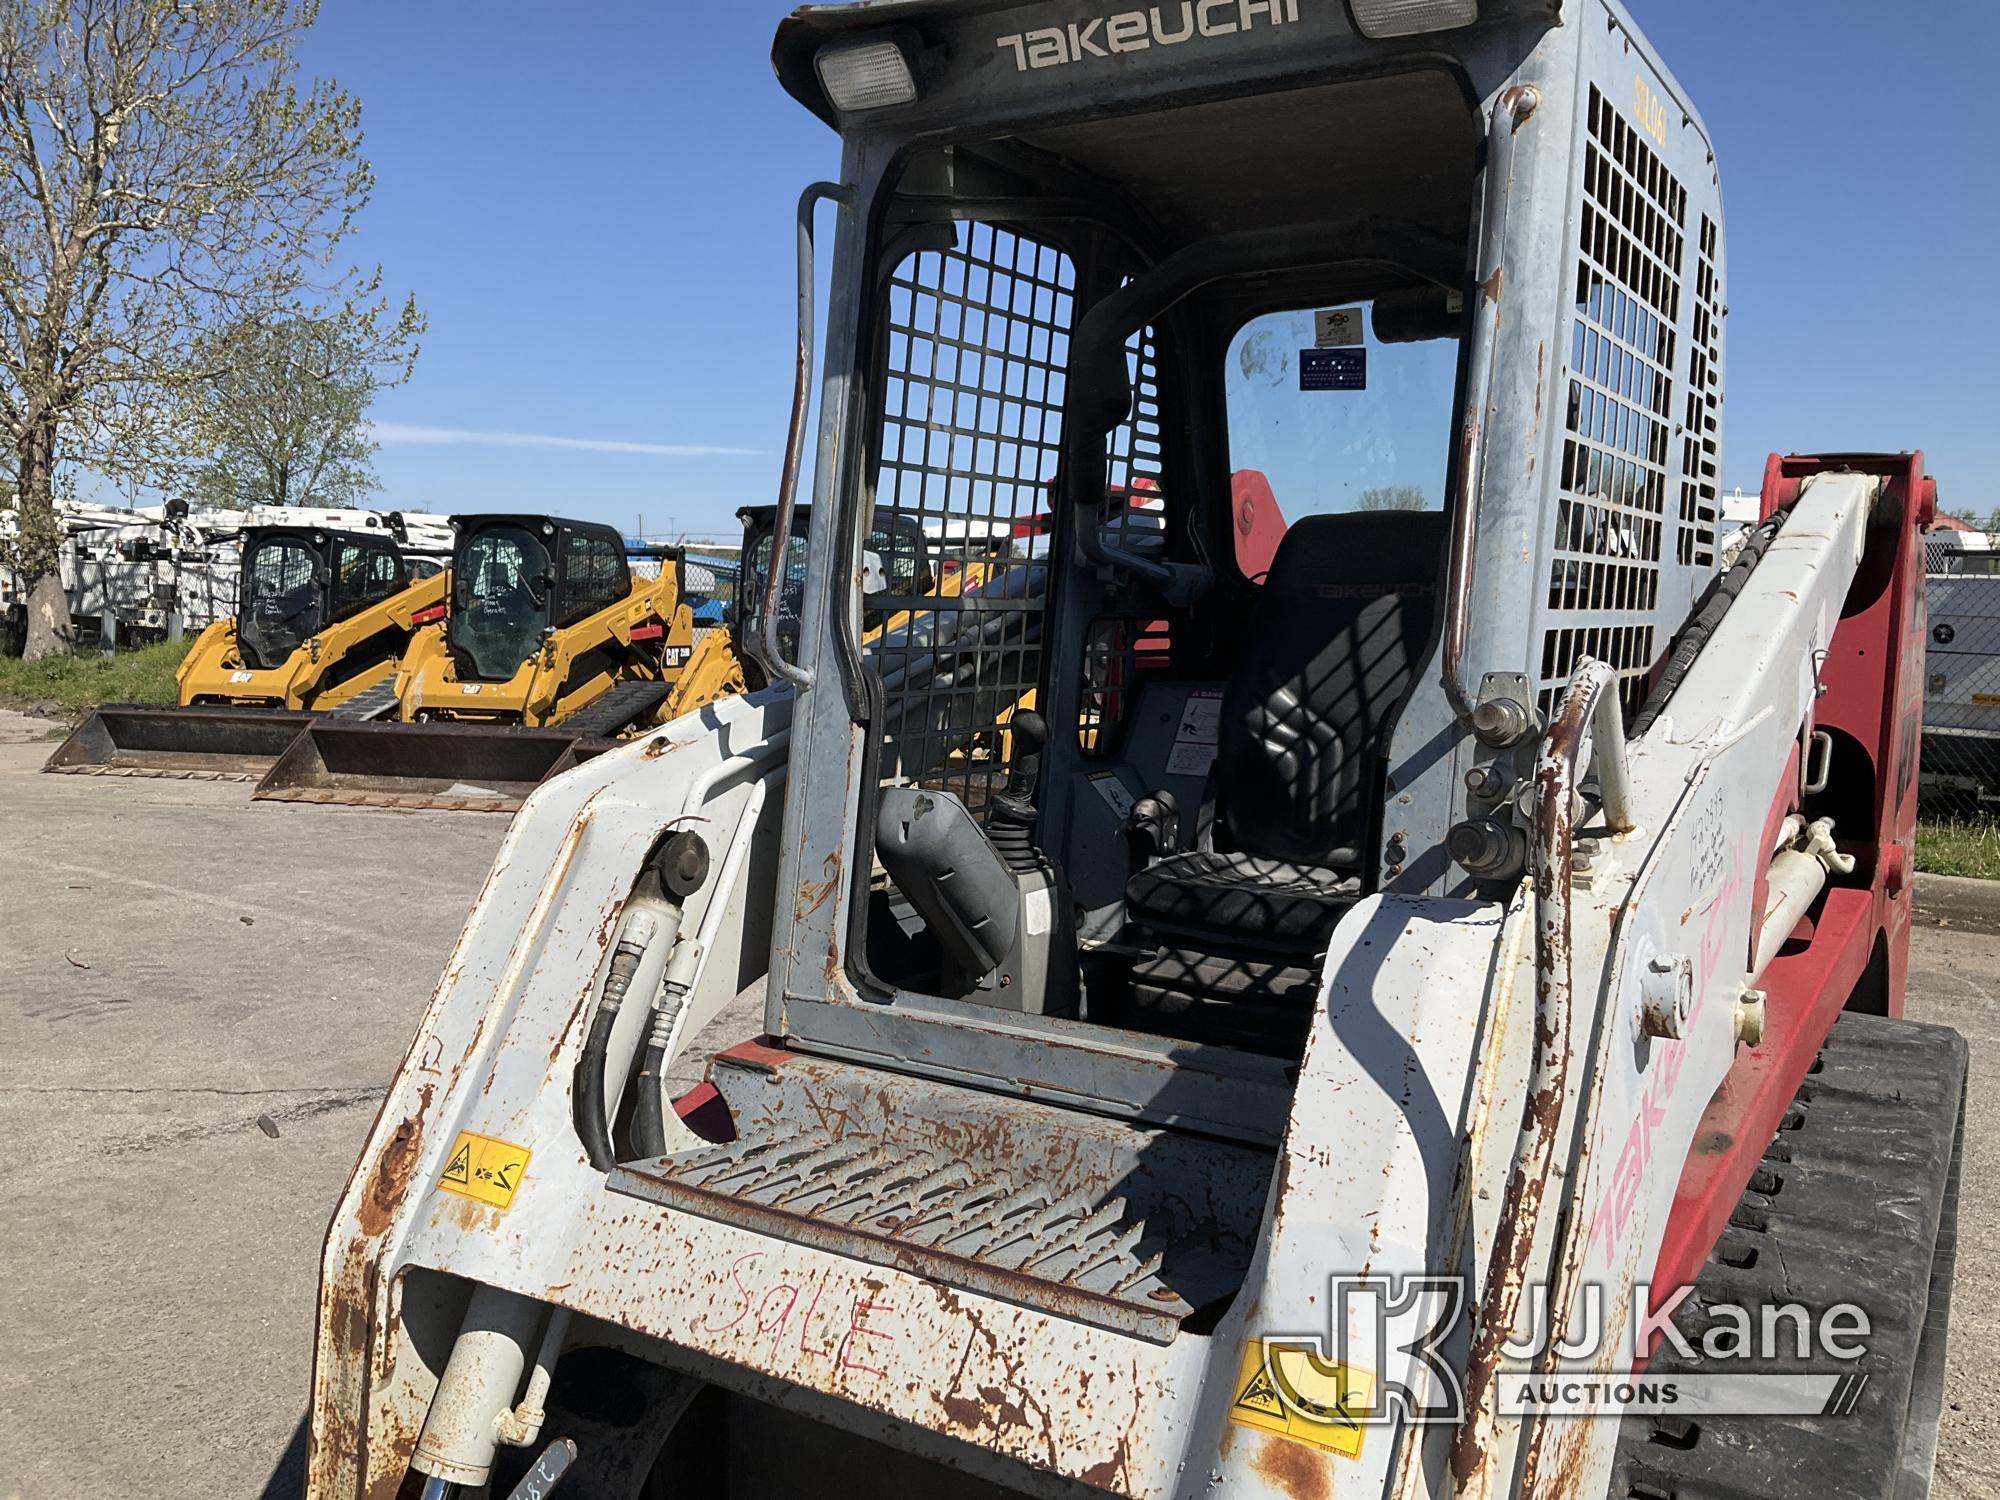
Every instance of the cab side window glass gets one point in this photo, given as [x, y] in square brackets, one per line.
[594, 576]
[364, 573]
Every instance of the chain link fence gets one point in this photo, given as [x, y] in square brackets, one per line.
[1961, 757]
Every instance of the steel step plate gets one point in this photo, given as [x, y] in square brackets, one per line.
[1090, 1219]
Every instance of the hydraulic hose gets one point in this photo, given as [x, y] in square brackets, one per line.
[640, 933]
[1708, 615]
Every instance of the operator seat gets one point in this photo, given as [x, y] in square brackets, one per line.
[1334, 641]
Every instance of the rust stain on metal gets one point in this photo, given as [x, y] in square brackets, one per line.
[1493, 285]
[1294, 1468]
[1115, 1472]
[473, 1217]
[391, 1177]
[1527, 1183]
[963, 1413]
[993, 1410]
[814, 894]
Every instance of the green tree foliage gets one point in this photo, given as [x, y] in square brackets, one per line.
[284, 422]
[164, 173]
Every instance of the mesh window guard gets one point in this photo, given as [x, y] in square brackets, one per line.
[593, 576]
[1604, 584]
[977, 350]
[1701, 478]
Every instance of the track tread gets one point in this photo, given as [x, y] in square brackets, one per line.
[1853, 1201]
[371, 703]
[617, 709]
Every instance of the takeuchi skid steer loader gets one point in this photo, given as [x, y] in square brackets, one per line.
[1415, 1037]
[551, 643]
[323, 617]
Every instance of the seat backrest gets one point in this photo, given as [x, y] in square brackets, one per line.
[1345, 610]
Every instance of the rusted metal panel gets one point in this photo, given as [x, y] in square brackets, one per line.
[1703, 780]
[491, 1053]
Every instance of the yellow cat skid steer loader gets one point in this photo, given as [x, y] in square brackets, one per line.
[550, 642]
[323, 618]
[896, 567]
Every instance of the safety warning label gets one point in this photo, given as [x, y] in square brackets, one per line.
[1294, 1393]
[1196, 735]
[1338, 327]
[484, 1168]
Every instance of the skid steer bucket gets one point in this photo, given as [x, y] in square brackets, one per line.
[462, 767]
[195, 744]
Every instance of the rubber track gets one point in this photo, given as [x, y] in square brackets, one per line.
[370, 704]
[616, 709]
[1855, 1201]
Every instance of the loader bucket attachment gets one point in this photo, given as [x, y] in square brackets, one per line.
[461, 767]
[193, 744]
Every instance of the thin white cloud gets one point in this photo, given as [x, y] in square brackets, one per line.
[404, 432]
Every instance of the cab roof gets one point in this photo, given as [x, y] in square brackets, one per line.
[932, 24]
[533, 522]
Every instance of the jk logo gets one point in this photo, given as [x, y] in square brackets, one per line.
[1395, 1326]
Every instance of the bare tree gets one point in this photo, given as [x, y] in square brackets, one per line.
[285, 420]
[163, 174]
[1391, 497]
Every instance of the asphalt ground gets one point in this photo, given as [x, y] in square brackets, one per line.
[202, 999]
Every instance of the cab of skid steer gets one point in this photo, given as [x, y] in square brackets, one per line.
[516, 578]
[896, 563]
[1437, 295]
[298, 580]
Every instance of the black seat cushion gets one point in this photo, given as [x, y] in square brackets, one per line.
[1253, 900]
[1343, 615]
[1339, 625]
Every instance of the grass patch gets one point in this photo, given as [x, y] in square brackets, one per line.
[1957, 848]
[86, 680]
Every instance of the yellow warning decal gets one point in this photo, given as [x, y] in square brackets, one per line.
[1292, 1392]
[484, 1168]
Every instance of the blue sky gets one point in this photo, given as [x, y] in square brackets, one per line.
[593, 204]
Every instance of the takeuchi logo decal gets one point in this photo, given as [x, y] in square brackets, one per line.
[1137, 30]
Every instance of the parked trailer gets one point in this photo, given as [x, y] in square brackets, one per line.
[1962, 680]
